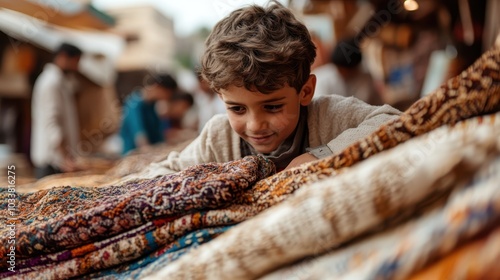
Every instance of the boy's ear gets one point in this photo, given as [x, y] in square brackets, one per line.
[307, 91]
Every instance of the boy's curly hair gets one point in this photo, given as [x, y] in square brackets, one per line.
[260, 48]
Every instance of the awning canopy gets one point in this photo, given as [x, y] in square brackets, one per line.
[71, 14]
[101, 49]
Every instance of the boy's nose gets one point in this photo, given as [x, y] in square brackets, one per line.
[256, 123]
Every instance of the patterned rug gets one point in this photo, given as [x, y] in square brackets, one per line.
[161, 257]
[62, 218]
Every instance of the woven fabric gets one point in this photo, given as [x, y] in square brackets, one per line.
[475, 260]
[132, 246]
[161, 257]
[338, 209]
[158, 256]
[61, 218]
[397, 253]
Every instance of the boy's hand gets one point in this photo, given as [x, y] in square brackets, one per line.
[303, 158]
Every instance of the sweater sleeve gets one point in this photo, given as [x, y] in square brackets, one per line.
[350, 120]
[216, 143]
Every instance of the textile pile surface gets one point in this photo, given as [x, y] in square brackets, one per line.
[419, 198]
[130, 164]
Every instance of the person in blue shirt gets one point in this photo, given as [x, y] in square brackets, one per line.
[141, 125]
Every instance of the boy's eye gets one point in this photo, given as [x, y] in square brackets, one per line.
[273, 108]
[237, 109]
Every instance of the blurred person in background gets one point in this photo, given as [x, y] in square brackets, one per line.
[344, 74]
[179, 122]
[55, 128]
[141, 125]
[208, 103]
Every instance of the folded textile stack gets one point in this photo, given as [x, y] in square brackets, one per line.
[394, 205]
[71, 231]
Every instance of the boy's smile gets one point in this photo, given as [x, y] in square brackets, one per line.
[265, 121]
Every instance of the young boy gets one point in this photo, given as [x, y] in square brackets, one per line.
[259, 60]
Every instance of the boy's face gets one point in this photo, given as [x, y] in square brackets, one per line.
[265, 121]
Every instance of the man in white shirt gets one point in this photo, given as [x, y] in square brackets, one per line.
[55, 129]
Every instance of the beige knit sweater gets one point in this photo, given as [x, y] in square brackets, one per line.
[332, 120]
